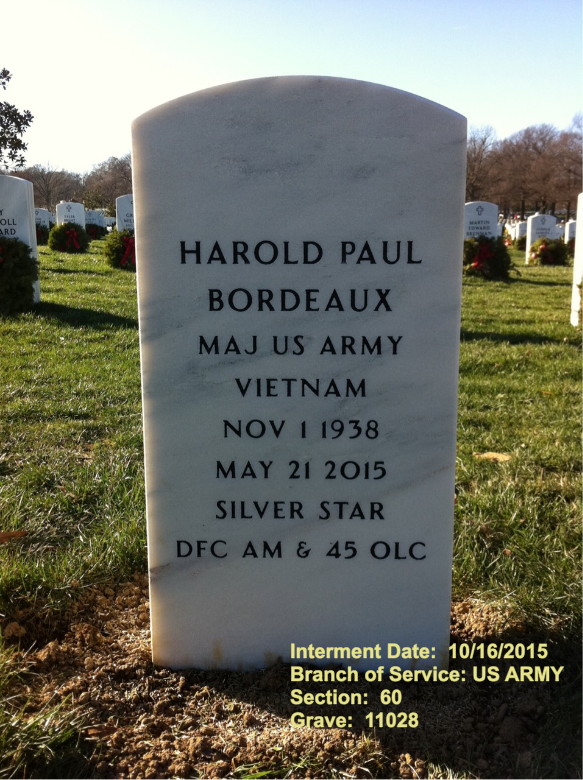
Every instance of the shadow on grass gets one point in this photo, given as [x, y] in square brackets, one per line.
[511, 338]
[75, 272]
[542, 282]
[83, 318]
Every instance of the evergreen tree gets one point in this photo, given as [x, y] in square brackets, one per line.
[13, 124]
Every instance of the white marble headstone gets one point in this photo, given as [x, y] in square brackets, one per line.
[17, 218]
[480, 219]
[299, 330]
[577, 274]
[570, 230]
[93, 217]
[539, 226]
[124, 212]
[42, 217]
[69, 211]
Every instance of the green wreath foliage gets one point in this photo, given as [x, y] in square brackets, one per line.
[571, 248]
[18, 271]
[120, 249]
[95, 231]
[520, 243]
[68, 237]
[546, 251]
[486, 257]
[42, 234]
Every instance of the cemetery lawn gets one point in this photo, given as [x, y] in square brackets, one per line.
[80, 697]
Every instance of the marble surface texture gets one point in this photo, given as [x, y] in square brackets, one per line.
[277, 514]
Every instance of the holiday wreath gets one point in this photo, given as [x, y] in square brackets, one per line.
[68, 237]
[487, 257]
[18, 271]
[548, 252]
[42, 234]
[120, 250]
[95, 231]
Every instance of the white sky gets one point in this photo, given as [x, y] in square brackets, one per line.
[86, 69]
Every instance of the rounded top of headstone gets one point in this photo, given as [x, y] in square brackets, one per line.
[295, 87]
[15, 181]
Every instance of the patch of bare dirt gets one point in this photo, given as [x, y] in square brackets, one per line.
[147, 722]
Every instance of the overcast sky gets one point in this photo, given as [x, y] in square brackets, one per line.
[86, 69]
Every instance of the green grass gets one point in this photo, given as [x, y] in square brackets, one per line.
[517, 537]
[71, 468]
[44, 744]
[71, 462]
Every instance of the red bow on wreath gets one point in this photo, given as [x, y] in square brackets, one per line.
[484, 254]
[129, 255]
[72, 239]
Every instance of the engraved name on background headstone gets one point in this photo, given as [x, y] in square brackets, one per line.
[69, 211]
[124, 212]
[480, 219]
[539, 226]
[17, 218]
[299, 330]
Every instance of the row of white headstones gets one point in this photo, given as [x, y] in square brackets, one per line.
[45, 218]
[18, 219]
[70, 211]
[481, 218]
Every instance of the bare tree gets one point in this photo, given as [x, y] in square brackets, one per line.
[107, 181]
[52, 186]
[536, 169]
[481, 141]
[569, 164]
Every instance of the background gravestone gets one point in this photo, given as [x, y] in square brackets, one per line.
[124, 212]
[539, 226]
[93, 217]
[69, 211]
[42, 217]
[480, 219]
[570, 230]
[299, 330]
[17, 218]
